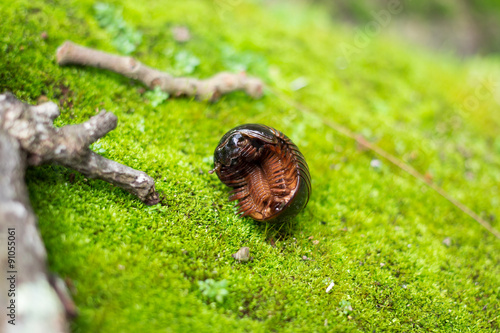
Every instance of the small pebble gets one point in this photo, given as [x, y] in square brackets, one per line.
[330, 287]
[243, 254]
[447, 241]
[376, 164]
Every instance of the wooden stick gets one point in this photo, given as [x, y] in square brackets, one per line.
[209, 89]
[32, 127]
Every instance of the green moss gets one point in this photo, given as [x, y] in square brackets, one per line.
[380, 232]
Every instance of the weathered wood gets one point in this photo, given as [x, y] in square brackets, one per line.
[34, 304]
[39, 301]
[69, 145]
[209, 89]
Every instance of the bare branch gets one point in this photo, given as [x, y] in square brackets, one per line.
[208, 89]
[32, 127]
[28, 137]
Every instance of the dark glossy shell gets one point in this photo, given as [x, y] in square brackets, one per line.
[269, 176]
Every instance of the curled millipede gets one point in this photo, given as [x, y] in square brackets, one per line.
[269, 176]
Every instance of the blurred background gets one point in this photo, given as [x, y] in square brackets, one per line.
[464, 26]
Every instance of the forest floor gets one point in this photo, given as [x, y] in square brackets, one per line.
[401, 257]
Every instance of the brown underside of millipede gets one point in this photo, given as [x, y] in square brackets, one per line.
[266, 180]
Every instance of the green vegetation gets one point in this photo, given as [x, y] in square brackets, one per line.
[402, 258]
[185, 63]
[125, 38]
[213, 290]
[156, 96]
[466, 26]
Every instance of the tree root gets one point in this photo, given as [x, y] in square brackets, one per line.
[209, 89]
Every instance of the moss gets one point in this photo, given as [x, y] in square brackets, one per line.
[380, 232]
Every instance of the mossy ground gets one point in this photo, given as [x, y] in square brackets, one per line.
[135, 268]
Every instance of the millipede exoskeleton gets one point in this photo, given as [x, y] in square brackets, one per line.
[269, 176]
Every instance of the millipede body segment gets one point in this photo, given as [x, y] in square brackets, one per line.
[269, 176]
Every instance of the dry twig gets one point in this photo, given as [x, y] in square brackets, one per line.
[27, 137]
[209, 89]
[69, 145]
